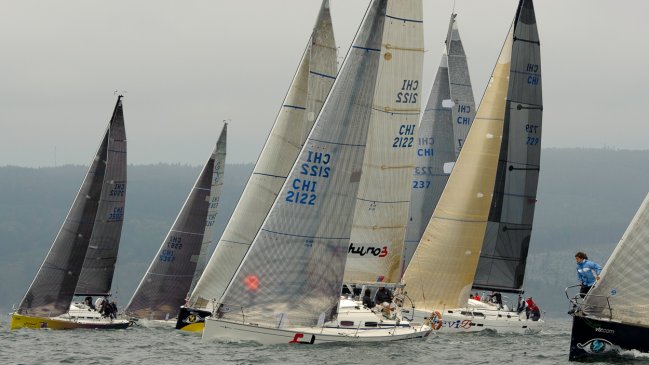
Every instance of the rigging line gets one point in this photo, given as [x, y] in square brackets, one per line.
[403, 19]
[512, 168]
[294, 107]
[303, 236]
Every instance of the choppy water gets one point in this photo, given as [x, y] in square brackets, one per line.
[159, 346]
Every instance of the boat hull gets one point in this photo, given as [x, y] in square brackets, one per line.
[222, 330]
[61, 323]
[191, 319]
[592, 337]
[476, 320]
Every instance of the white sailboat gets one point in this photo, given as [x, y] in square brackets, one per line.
[508, 123]
[81, 261]
[613, 318]
[287, 289]
[181, 258]
[311, 84]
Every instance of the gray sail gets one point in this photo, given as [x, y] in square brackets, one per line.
[296, 262]
[506, 243]
[51, 292]
[98, 267]
[167, 282]
[442, 130]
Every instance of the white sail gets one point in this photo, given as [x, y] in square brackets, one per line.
[622, 289]
[441, 271]
[442, 131]
[376, 245]
[310, 86]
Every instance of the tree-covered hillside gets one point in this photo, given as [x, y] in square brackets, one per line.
[586, 199]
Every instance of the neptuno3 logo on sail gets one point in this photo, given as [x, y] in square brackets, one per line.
[370, 250]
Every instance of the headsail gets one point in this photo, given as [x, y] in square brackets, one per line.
[506, 243]
[310, 86]
[167, 282]
[295, 265]
[623, 280]
[441, 134]
[376, 246]
[443, 267]
[95, 218]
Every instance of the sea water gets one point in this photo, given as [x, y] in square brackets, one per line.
[142, 346]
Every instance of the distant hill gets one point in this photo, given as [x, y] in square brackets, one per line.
[586, 199]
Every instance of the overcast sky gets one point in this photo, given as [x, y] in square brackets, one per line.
[187, 65]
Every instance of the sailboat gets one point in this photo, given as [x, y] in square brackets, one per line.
[442, 131]
[287, 289]
[82, 258]
[181, 258]
[309, 88]
[613, 317]
[495, 176]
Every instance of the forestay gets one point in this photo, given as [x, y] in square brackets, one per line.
[442, 131]
[98, 207]
[376, 248]
[623, 280]
[309, 88]
[295, 264]
[506, 243]
[168, 279]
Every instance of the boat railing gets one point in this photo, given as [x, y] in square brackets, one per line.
[585, 303]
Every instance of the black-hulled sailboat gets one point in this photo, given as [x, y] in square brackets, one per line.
[82, 258]
[613, 317]
[182, 257]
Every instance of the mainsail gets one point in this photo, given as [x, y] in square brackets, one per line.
[310, 86]
[95, 219]
[295, 265]
[376, 245]
[621, 291]
[507, 239]
[441, 134]
[175, 266]
[443, 267]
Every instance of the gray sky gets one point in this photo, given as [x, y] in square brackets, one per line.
[187, 65]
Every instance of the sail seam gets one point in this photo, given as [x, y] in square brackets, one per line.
[269, 175]
[238, 243]
[384, 202]
[196, 234]
[538, 43]
[461, 220]
[367, 49]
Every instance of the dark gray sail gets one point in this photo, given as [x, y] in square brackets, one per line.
[442, 130]
[167, 282]
[51, 292]
[296, 262]
[98, 267]
[506, 243]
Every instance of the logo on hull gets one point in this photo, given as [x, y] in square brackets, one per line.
[598, 346]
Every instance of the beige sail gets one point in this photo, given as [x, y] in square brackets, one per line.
[383, 200]
[441, 272]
